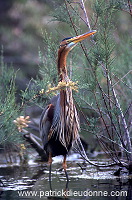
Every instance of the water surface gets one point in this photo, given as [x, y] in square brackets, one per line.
[31, 181]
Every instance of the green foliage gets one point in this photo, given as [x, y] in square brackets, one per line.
[8, 108]
[48, 68]
[60, 14]
[48, 74]
[63, 15]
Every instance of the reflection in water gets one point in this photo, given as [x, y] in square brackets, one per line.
[34, 178]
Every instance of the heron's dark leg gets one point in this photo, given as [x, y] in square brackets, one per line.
[65, 167]
[50, 163]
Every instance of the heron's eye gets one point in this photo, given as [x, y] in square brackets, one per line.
[62, 45]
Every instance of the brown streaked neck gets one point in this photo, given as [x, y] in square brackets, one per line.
[62, 69]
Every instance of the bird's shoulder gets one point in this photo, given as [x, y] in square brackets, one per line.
[47, 114]
[46, 122]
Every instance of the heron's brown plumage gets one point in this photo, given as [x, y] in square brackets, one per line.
[62, 56]
[69, 120]
[67, 127]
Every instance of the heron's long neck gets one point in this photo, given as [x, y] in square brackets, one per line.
[62, 69]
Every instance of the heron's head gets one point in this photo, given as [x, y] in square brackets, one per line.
[69, 43]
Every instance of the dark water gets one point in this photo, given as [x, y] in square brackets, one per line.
[32, 182]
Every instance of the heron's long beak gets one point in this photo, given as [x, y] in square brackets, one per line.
[79, 38]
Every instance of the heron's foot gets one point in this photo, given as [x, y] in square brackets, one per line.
[64, 166]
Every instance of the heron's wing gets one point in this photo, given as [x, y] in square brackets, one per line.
[46, 122]
[56, 117]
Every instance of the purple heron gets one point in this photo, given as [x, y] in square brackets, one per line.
[59, 123]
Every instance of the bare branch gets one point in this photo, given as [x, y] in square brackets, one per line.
[85, 14]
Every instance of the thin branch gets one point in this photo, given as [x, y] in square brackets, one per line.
[127, 134]
[70, 18]
[120, 79]
[128, 108]
[113, 141]
[76, 11]
[129, 5]
[85, 14]
[84, 156]
[107, 149]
